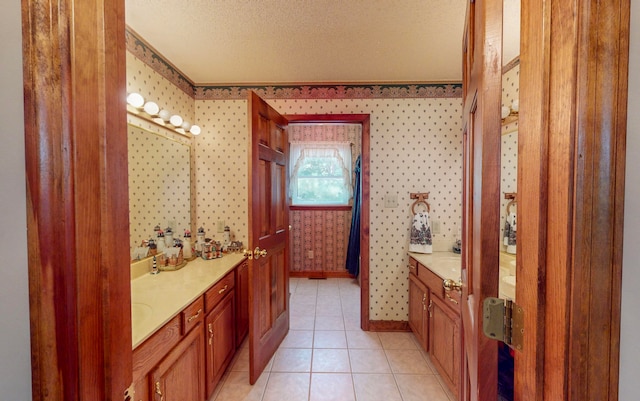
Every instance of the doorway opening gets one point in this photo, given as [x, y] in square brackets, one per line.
[364, 141]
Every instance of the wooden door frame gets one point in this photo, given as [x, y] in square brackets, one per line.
[573, 99]
[77, 198]
[364, 121]
[74, 82]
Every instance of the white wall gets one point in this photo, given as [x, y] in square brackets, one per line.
[629, 345]
[15, 365]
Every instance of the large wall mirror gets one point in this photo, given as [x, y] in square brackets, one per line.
[509, 145]
[159, 183]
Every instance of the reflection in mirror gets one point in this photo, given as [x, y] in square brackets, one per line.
[510, 31]
[159, 184]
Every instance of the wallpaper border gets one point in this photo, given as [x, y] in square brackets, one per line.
[137, 46]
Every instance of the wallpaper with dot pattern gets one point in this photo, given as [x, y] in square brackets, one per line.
[416, 146]
[325, 232]
[509, 151]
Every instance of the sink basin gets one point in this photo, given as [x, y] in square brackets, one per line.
[140, 312]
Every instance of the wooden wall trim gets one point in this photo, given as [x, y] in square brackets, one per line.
[572, 156]
[77, 198]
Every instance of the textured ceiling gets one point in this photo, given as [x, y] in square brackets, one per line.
[305, 41]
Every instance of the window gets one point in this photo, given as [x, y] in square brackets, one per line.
[320, 173]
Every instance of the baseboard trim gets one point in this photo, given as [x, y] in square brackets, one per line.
[388, 325]
[321, 274]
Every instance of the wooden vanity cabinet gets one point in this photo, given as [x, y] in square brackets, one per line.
[173, 379]
[418, 315]
[242, 303]
[221, 340]
[445, 345]
[434, 318]
[185, 359]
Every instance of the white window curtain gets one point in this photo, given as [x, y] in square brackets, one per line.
[299, 151]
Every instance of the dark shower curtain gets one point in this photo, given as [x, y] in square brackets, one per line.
[353, 250]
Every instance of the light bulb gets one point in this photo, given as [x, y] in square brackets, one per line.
[151, 108]
[186, 125]
[175, 120]
[135, 99]
[165, 115]
[195, 130]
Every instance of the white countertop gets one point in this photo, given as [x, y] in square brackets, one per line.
[445, 264]
[156, 299]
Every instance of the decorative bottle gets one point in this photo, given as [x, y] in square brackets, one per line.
[186, 245]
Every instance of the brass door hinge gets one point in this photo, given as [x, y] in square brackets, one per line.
[503, 320]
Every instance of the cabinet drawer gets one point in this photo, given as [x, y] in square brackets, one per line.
[192, 315]
[413, 266]
[218, 291]
[431, 280]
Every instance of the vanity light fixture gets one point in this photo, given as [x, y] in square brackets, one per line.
[150, 111]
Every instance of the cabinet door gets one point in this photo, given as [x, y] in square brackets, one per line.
[180, 375]
[445, 342]
[242, 302]
[221, 340]
[418, 301]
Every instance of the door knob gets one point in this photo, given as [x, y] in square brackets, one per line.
[248, 254]
[452, 285]
[257, 252]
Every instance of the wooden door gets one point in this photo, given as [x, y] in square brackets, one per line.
[268, 233]
[242, 303]
[482, 74]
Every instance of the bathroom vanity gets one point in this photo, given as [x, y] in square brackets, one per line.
[434, 312]
[186, 326]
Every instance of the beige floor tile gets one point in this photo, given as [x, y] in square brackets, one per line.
[407, 361]
[287, 387]
[352, 321]
[330, 309]
[376, 387]
[302, 322]
[298, 339]
[329, 323]
[236, 387]
[329, 339]
[397, 340]
[368, 361]
[331, 360]
[420, 388]
[240, 362]
[445, 387]
[363, 339]
[292, 360]
[302, 309]
[332, 387]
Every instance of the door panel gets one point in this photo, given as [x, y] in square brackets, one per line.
[481, 215]
[268, 233]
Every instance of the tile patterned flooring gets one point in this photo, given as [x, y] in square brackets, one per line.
[326, 357]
